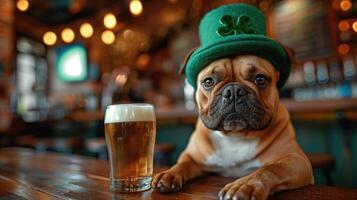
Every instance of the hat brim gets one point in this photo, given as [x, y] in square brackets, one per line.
[243, 44]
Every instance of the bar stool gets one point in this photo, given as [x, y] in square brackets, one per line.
[323, 162]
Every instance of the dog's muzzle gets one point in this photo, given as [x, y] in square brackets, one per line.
[233, 92]
[235, 108]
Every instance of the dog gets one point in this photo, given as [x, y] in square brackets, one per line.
[243, 131]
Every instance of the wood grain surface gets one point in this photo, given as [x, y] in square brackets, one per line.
[26, 174]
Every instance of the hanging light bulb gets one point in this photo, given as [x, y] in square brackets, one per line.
[67, 35]
[136, 7]
[108, 37]
[343, 25]
[22, 5]
[343, 48]
[354, 26]
[109, 20]
[86, 30]
[49, 38]
[345, 5]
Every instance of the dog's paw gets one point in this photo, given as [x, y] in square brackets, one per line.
[245, 189]
[168, 181]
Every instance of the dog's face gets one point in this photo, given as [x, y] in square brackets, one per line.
[237, 94]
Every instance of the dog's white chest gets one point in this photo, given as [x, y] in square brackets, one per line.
[233, 156]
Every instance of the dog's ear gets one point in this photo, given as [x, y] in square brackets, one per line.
[290, 52]
[183, 65]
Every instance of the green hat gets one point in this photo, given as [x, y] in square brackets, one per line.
[231, 30]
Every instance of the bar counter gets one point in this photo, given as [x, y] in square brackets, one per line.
[26, 174]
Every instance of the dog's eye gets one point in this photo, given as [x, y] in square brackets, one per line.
[208, 83]
[261, 80]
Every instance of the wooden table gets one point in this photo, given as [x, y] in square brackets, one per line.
[25, 174]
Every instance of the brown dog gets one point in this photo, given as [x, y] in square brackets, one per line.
[243, 131]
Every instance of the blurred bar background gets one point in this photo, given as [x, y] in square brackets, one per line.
[63, 61]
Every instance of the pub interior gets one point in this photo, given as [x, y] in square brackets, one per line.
[62, 62]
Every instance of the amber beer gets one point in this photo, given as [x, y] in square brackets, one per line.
[130, 131]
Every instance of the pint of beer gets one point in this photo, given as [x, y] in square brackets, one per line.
[130, 131]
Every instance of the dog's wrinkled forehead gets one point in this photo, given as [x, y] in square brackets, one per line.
[238, 67]
[220, 67]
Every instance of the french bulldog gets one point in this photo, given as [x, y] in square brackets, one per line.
[243, 131]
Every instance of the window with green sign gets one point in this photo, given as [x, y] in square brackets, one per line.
[71, 63]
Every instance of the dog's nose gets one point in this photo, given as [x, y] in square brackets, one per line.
[233, 91]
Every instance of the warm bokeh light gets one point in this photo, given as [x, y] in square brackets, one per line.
[86, 30]
[354, 26]
[108, 37]
[110, 20]
[67, 35]
[343, 25]
[121, 79]
[143, 61]
[343, 48]
[128, 35]
[345, 5]
[22, 5]
[49, 38]
[136, 7]
[264, 5]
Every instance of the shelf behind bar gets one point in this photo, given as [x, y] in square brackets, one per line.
[329, 105]
[314, 110]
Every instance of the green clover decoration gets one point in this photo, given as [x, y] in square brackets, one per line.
[230, 26]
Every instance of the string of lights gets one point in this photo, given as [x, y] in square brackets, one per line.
[86, 29]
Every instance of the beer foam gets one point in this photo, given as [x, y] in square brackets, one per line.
[129, 113]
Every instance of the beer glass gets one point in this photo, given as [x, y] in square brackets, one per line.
[130, 131]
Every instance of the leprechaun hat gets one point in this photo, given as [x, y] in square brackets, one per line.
[235, 29]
